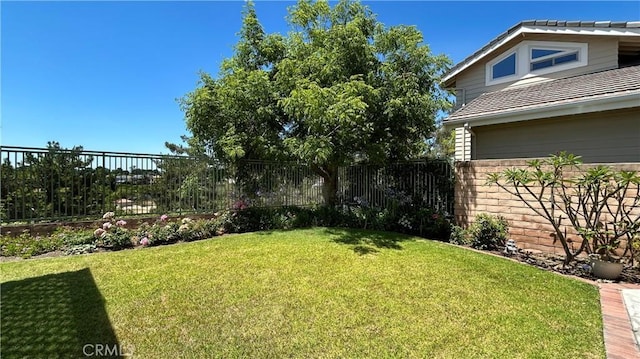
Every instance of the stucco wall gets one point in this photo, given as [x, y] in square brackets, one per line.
[474, 196]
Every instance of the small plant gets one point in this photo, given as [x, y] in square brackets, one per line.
[488, 232]
[80, 249]
[459, 236]
[26, 246]
[74, 236]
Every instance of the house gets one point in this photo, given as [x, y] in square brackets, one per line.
[546, 86]
[540, 88]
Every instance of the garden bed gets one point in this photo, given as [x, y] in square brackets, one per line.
[580, 267]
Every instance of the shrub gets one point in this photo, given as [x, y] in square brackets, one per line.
[197, 229]
[116, 239]
[459, 236]
[79, 249]
[26, 246]
[112, 234]
[405, 218]
[159, 233]
[74, 236]
[488, 232]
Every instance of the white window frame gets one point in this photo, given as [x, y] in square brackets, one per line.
[499, 59]
[567, 48]
[523, 53]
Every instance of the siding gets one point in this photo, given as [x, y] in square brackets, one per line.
[603, 55]
[463, 144]
[602, 137]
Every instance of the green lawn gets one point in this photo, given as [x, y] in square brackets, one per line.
[303, 293]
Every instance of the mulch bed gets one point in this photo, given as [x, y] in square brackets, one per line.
[579, 267]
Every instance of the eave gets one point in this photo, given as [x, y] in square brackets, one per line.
[605, 102]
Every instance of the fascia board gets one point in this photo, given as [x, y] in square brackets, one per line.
[581, 106]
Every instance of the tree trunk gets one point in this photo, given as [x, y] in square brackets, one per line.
[330, 186]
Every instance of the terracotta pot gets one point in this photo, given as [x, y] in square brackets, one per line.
[606, 270]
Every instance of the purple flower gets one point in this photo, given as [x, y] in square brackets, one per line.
[435, 216]
[144, 241]
[106, 226]
[164, 218]
[121, 223]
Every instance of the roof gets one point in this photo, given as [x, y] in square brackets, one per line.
[596, 27]
[561, 92]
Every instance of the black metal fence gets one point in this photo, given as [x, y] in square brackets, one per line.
[52, 184]
[426, 183]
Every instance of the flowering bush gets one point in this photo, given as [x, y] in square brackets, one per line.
[241, 204]
[112, 233]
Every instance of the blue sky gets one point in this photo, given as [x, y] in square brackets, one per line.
[106, 75]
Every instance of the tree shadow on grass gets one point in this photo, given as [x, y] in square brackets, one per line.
[365, 241]
[56, 316]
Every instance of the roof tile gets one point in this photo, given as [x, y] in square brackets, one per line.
[552, 92]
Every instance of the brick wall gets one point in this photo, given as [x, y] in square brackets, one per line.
[530, 231]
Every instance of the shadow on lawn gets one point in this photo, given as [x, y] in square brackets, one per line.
[56, 316]
[367, 242]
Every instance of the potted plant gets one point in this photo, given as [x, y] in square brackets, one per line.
[605, 266]
[605, 263]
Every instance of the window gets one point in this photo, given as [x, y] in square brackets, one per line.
[543, 58]
[506, 67]
[535, 58]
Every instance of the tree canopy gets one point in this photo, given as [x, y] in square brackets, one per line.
[340, 87]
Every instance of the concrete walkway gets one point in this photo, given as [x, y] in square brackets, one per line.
[620, 304]
[631, 299]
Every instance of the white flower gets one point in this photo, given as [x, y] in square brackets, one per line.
[108, 215]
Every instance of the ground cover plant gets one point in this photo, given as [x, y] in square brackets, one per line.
[305, 293]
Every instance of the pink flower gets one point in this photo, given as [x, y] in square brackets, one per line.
[164, 218]
[435, 216]
[144, 241]
[121, 223]
[99, 233]
[240, 205]
[106, 225]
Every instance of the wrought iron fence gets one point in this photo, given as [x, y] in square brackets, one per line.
[425, 183]
[39, 184]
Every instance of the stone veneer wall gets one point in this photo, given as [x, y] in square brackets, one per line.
[530, 231]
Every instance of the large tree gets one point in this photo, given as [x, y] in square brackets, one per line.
[340, 87]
